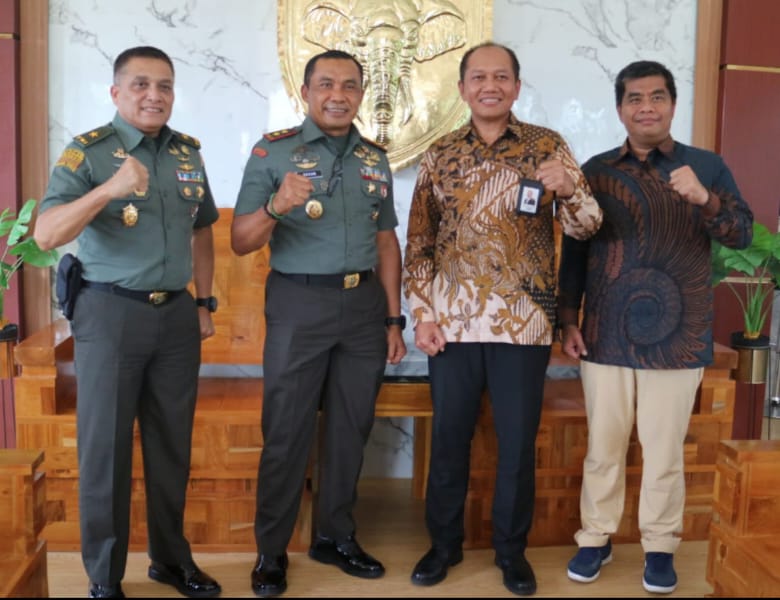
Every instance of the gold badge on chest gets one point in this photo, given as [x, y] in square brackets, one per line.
[314, 209]
[129, 215]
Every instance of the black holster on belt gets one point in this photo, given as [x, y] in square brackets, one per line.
[68, 284]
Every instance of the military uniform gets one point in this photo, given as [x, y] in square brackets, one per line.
[134, 358]
[326, 344]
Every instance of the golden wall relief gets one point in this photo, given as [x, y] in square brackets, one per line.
[410, 51]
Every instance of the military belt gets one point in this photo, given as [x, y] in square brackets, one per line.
[342, 281]
[154, 297]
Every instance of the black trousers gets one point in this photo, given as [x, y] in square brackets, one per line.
[514, 378]
[133, 360]
[324, 348]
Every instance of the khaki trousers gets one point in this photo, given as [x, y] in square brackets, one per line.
[660, 401]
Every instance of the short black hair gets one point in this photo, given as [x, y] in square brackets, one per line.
[337, 54]
[140, 52]
[639, 69]
[512, 56]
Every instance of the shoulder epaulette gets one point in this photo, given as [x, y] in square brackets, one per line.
[280, 134]
[186, 139]
[90, 137]
[373, 143]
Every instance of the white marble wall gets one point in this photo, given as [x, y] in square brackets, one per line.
[229, 89]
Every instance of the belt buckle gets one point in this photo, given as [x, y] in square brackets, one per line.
[351, 280]
[157, 297]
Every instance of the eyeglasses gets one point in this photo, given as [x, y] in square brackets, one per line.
[335, 176]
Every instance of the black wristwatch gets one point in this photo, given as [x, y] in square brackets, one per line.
[400, 321]
[210, 303]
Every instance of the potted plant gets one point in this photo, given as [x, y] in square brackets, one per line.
[18, 250]
[760, 262]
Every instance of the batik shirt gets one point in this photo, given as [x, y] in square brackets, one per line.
[474, 265]
[646, 276]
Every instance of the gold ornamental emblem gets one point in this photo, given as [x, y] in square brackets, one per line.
[314, 209]
[410, 51]
[129, 215]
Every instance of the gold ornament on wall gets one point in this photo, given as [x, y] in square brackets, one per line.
[410, 51]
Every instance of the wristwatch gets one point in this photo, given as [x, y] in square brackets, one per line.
[210, 303]
[400, 321]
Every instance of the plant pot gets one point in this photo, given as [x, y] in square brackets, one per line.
[752, 358]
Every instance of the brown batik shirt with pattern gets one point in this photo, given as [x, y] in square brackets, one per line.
[481, 271]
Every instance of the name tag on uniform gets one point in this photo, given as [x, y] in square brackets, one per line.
[311, 174]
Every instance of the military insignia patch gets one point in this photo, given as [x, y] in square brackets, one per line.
[367, 156]
[187, 139]
[261, 152]
[280, 134]
[119, 153]
[86, 139]
[71, 159]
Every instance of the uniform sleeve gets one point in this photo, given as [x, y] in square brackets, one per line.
[258, 182]
[70, 179]
[419, 256]
[580, 215]
[388, 219]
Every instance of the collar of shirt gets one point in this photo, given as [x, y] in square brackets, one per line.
[666, 147]
[311, 133]
[514, 126]
[132, 137]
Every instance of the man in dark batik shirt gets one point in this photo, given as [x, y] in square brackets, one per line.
[646, 332]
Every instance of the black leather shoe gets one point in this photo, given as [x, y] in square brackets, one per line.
[519, 577]
[188, 579]
[432, 567]
[347, 556]
[269, 575]
[105, 591]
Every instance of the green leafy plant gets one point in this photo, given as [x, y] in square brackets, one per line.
[760, 262]
[19, 250]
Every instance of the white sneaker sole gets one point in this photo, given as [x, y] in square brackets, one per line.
[582, 578]
[658, 589]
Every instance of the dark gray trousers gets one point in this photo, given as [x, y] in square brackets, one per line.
[324, 348]
[133, 360]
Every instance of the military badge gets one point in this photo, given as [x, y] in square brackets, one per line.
[185, 150]
[119, 153]
[304, 157]
[187, 191]
[129, 215]
[371, 187]
[374, 214]
[367, 156]
[314, 209]
[260, 152]
[200, 192]
[70, 159]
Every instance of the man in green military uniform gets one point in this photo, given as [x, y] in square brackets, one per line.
[321, 196]
[136, 196]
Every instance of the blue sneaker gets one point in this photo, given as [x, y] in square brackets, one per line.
[659, 574]
[586, 564]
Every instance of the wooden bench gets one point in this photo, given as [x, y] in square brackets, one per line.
[227, 439]
[22, 551]
[744, 537]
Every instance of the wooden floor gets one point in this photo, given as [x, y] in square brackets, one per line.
[391, 527]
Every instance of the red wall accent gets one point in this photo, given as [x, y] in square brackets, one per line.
[748, 138]
[9, 16]
[10, 178]
[750, 35]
